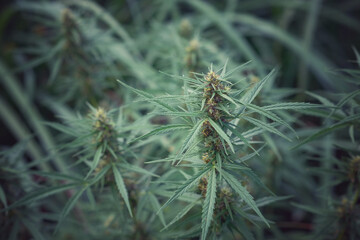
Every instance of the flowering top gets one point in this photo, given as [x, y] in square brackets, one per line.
[212, 95]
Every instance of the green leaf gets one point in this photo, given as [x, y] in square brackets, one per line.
[257, 130]
[315, 210]
[344, 100]
[184, 78]
[320, 133]
[61, 128]
[135, 168]
[273, 146]
[108, 147]
[222, 74]
[187, 197]
[99, 175]
[222, 134]
[247, 216]
[69, 205]
[235, 166]
[243, 228]
[291, 106]
[250, 95]
[161, 130]
[169, 97]
[269, 115]
[266, 201]
[209, 204]
[3, 197]
[248, 156]
[242, 138]
[243, 193]
[248, 172]
[180, 114]
[95, 161]
[121, 187]
[228, 208]
[40, 194]
[33, 229]
[55, 69]
[149, 97]
[347, 98]
[191, 136]
[181, 214]
[219, 163]
[55, 175]
[265, 126]
[156, 206]
[186, 186]
[174, 158]
[253, 177]
[228, 98]
[348, 119]
[321, 99]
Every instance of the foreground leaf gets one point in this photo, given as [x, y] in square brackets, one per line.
[265, 126]
[243, 193]
[121, 187]
[186, 186]
[209, 204]
[163, 129]
[69, 205]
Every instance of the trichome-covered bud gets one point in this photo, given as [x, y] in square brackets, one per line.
[208, 130]
[206, 157]
[212, 76]
[203, 186]
[104, 129]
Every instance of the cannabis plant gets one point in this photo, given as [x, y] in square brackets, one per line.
[223, 125]
[339, 164]
[105, 165]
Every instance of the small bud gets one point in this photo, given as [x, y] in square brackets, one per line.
[186, 28]
[193, 46]
[203, 186]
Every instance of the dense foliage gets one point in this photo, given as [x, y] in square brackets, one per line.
[180, 119]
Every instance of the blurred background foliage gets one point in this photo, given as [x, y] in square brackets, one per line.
[59, 62]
